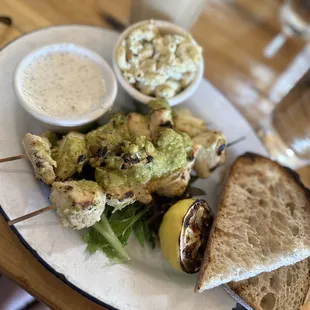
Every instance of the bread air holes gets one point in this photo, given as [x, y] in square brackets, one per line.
[279, 217]
[273, 245]
[261, 229]
[272, 190]
[253, 241]
[249, 190]
[263, 289]
[260, 214]
[253, 281]
[289, 278]
[254, 192]
[291, 206]
[277, 190]
[281, 190]
[263, 203]
[275, 283]
[268, 302]
[242, 185]
[253, 221]
[295, 230]
[263, 180]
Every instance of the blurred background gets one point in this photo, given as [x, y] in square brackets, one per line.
[257, 54]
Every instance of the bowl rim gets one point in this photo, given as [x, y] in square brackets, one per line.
[135, 93]
[108, 75]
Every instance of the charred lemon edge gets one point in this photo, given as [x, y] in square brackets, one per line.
[172, 226]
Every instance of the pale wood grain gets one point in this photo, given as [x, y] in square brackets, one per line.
[20, 265]
[233, 35]
[7, 34]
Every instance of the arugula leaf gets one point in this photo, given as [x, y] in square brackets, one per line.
[97, 242]
[150, 234]
[139, 231]
[144, 233]
[121, 226]
[111, 233]
[105, 229]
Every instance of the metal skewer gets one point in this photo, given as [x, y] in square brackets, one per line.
[29, 215]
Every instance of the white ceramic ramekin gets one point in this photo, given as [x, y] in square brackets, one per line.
[67, 123]
[164, 27]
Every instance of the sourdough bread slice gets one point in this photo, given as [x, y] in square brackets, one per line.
[283, 289]
[263, 223]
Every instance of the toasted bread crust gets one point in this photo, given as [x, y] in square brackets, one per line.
[254, 157]
[236, 175]
[251, 292]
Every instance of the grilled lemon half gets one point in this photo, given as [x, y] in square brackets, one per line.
[184, 232]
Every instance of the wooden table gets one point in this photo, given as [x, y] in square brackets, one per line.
[233, 35]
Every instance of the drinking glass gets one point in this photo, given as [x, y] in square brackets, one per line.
[287, 132]
[295, 19]
[182, 12]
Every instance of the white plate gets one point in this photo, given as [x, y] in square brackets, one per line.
[147, 282]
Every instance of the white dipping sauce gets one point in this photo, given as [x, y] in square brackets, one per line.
[63, 84]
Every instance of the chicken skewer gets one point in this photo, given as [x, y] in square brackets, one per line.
[38, 151]
[80, 204]
[131, 158]
[63, 193]
[23, 156]
[62, 161]
[48, 137]
[177, 182]
[218, 145]
[71, 153]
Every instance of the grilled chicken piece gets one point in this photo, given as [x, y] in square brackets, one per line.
[143, 194]
[212, 152]
[52, 137]
[79, 204]
[160, 117]
[120, 197]
[108, 137]
[70, 155]
[38, 150]
[138, 125]
[174, 184]
[119, 193]
[185, 121]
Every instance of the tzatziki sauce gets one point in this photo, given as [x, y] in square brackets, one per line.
[63, 84]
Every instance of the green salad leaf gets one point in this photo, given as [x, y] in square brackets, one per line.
[144, 233]
[112, 232]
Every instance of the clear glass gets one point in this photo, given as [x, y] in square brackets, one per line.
[295, 17]
[286, 134]
[291, 120]
[182, 12]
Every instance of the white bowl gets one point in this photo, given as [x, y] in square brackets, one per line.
[164, 27]
[74, 122]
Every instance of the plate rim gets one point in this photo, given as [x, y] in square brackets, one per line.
[59, 275]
